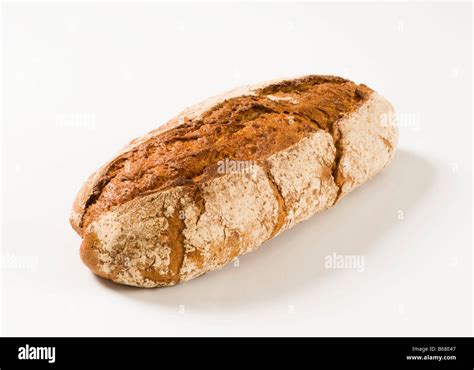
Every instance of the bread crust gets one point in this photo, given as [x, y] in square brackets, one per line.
[193, 112]
[181, 232]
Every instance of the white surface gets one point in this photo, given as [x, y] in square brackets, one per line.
[81, 80]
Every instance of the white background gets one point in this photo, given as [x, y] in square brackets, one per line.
[81, 80]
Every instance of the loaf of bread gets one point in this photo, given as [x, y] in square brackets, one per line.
[227, 175]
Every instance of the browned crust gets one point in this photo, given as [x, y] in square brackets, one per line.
[335, 97]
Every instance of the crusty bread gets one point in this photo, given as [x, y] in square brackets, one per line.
[228, 174]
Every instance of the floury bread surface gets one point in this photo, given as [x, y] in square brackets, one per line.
[227, 175]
